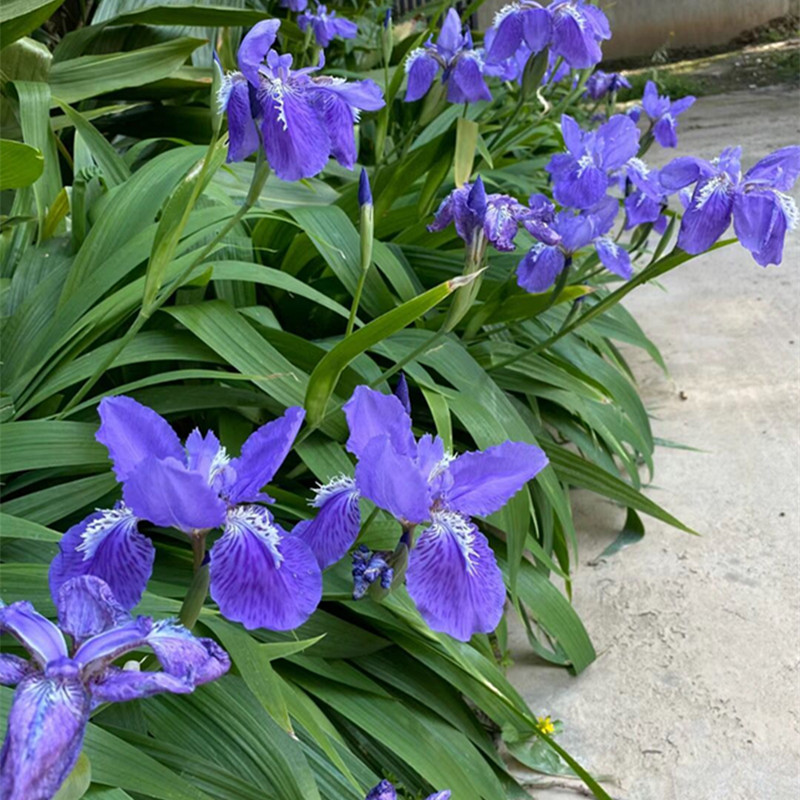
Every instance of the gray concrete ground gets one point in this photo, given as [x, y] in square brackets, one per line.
[696, 690]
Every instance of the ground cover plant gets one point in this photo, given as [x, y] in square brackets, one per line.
[310, 321]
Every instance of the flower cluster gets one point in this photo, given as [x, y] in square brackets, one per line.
[452, 574]
[299, 120]
[327, 25]
[602, 83]
[260, 576]
[571, 29]
[61, 685]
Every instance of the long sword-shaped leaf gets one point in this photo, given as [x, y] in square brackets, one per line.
[323, 379]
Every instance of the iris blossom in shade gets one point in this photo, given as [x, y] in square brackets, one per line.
[385, 791]
[462, 65]
[482, 219]
[452, 574]
[543, 263]
[295, 5]
[664, 114]
[647, 201]
[762, 212]
[517, 24]
[602, 83]
[303, 120]
[327, 26]
[260, 576]
[581, 175]
[58, 688]
[578, 29]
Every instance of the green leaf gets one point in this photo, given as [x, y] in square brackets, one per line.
[631, 533]
[36, 444]
[90, 76]
[325, 376]
[115, 170]
[576, 471]
[201, 15]
[19, 528]
[77, 782]
[20, 164]
[174, 217]
[20, 17]
[466, 142]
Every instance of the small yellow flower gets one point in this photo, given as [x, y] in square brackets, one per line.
[545, 725]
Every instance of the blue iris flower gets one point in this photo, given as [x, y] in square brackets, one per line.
[482, 219]
[295, 5]
[60, 686]
[663, 113]
[260, 575]
[543, 263]
[517, 25]
[303, 120]
[758, 202]
[461, 63]
[385, 791]
[452, 574]
[581, 176]
[647, 201]
[327, 26]
[602, 83]
[578, 29]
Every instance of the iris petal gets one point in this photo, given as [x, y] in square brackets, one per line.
[87, 607]
[46, 725]
[38, 635]
[454, 579]
[108, 545]
[260, 576]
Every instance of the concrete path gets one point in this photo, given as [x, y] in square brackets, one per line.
[695, 694]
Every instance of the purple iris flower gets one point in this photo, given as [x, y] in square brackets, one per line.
[385, 791]
[326, 26]
[303, 120]
[452, 574]
[519, 23]
[462, 65]
[60, 686]
[581, 175]
[295, 5]
[578, 29]
[543, 263]
[602, 83]
[260, 575]
[482, 219]
[664, 114]
[762, 211]
[647, 201]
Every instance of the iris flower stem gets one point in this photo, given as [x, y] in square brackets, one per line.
[367, 214]
[260, 174]
[511, 118]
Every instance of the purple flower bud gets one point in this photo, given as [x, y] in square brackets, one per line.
[387, 19]
[364, 190]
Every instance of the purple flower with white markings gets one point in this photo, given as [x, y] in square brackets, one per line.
[461, 63]
[517, 24]
[602, 83]
[385, 791]
[581, 175]
[758, 202]
[452, 574]
[482, 219]
[260, 575]
[60, 686]
[663, 113]
[302, 120]
[578, 29]
[647, 201]
[543, 263]
[327, 25]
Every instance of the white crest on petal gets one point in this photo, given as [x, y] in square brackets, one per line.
[225, 89]
[789, 208]
[416, 53]
[257, 521]
[218, 463]
[461, 529]
[337, 485]
[639, 166]
[505, 11]
[718, 183]
[97, 530]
